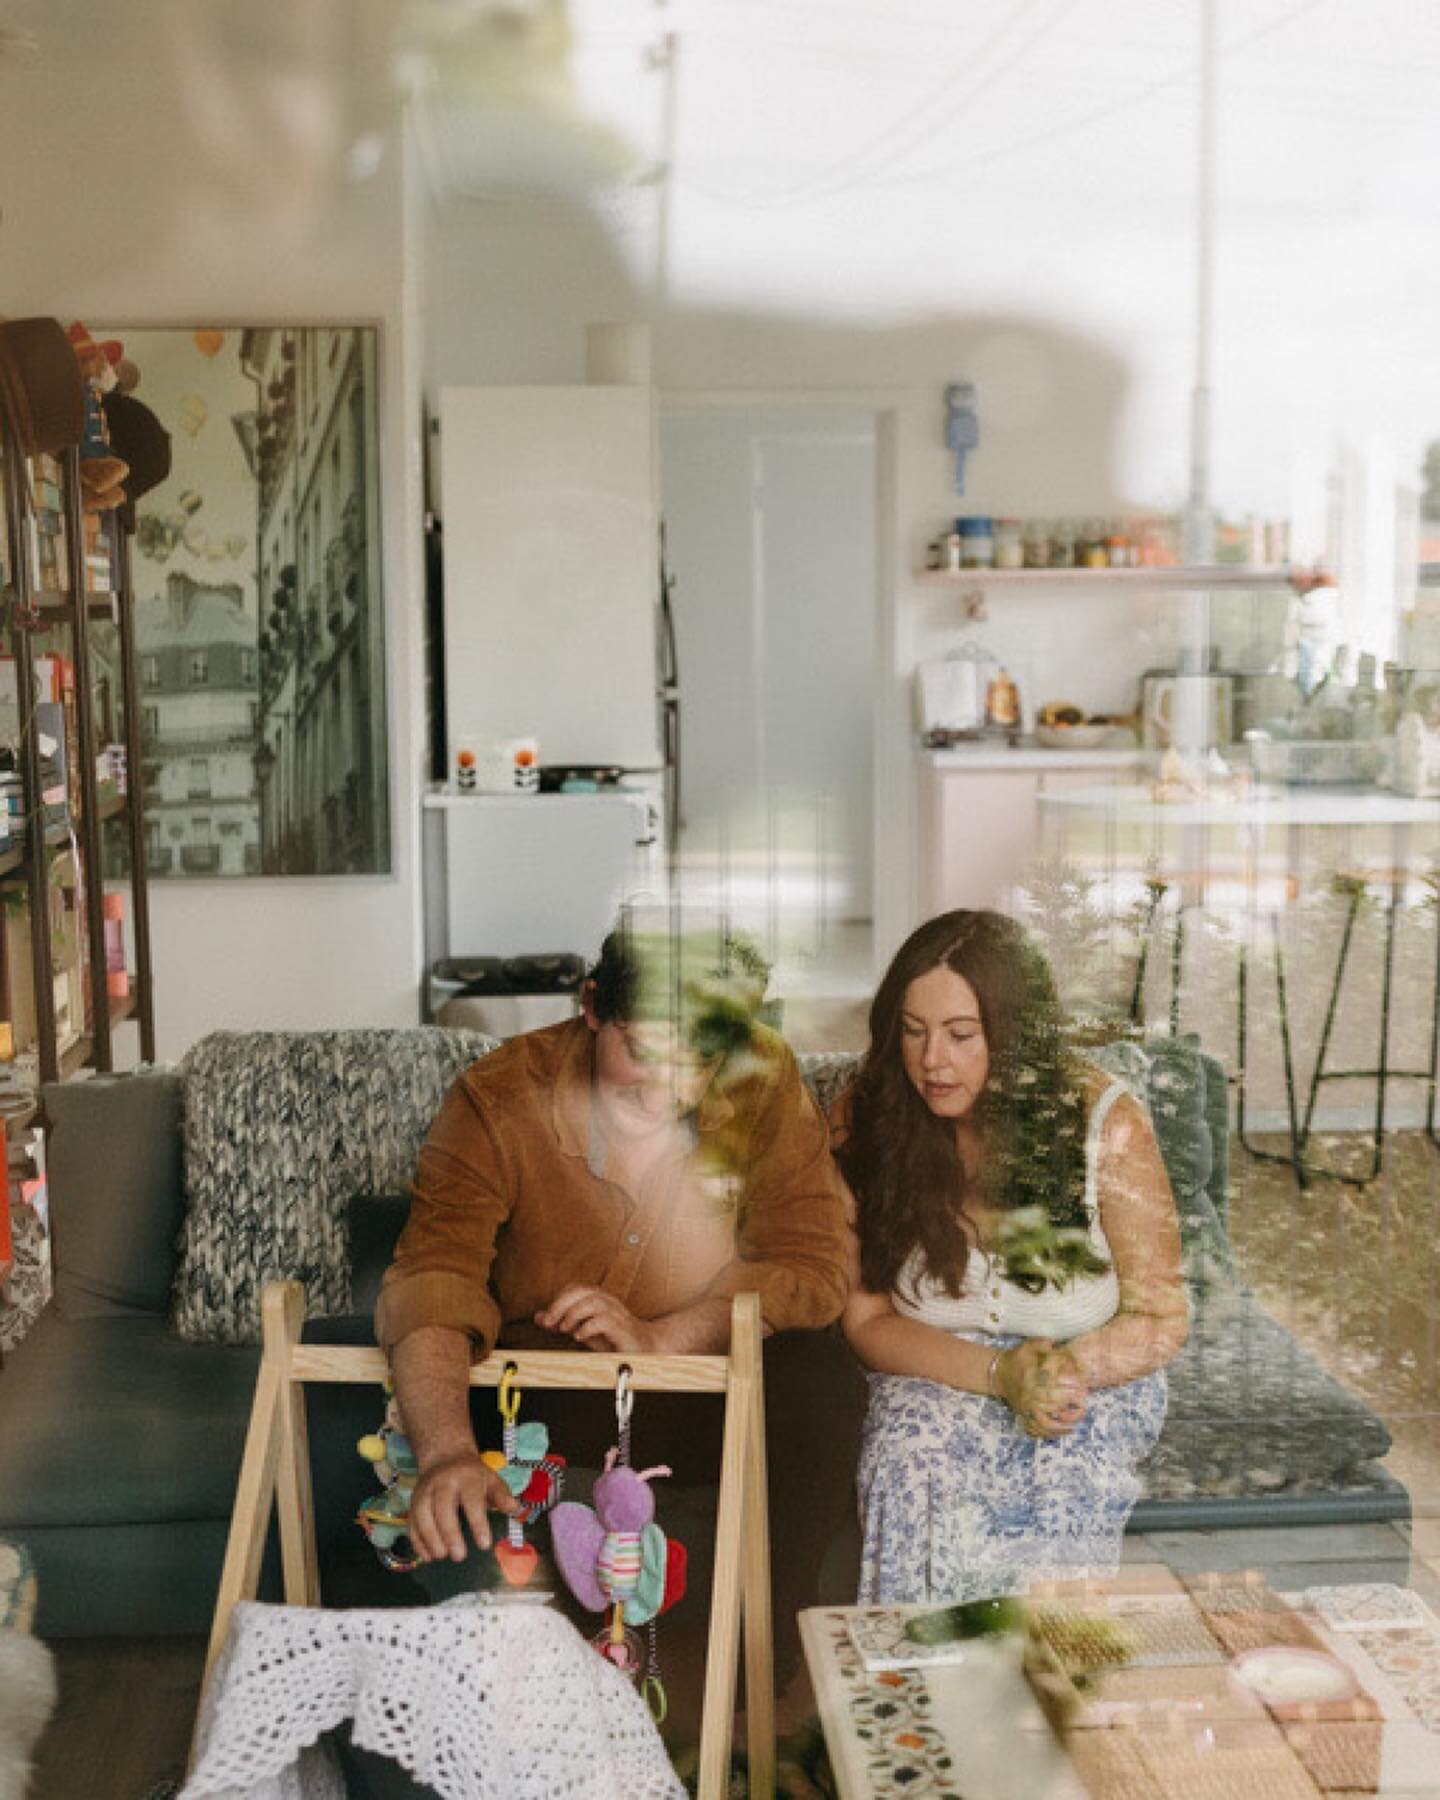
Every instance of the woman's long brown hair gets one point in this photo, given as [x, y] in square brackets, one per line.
[902, 1162]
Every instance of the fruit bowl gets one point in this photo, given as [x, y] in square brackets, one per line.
[1072, 737]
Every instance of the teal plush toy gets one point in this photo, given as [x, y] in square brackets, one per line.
[385, 1517]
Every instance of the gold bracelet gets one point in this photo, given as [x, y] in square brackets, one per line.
[990, 1373]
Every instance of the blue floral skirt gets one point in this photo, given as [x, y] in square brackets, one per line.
[958, 1502]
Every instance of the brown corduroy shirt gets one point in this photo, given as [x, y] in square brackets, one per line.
[514, 1200]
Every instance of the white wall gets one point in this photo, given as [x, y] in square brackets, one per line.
[511, 289]
[152, 200]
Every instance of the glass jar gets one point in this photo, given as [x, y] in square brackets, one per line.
[1009, 544]
[977, 541]
[1090, 550]
[1037, 544]
[1062, 544]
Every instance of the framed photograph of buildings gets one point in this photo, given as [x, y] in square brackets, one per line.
[259, 604]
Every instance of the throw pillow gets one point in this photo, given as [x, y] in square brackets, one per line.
[113, 1165]
[281, 1131]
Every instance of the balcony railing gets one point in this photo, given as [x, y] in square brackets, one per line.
[200, 859]
[159, 861]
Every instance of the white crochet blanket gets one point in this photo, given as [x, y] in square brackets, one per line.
[478, 1701]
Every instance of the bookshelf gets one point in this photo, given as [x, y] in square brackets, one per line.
[68, 579]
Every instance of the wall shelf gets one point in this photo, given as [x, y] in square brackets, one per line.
[1214, 576]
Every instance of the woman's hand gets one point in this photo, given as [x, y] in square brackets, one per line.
[1042, 1384]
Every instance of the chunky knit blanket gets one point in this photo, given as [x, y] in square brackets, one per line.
[282, 1130]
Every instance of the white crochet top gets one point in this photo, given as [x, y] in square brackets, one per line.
[987, 1302]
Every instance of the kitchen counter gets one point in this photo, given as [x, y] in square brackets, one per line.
[979, 813]
[1029, 755]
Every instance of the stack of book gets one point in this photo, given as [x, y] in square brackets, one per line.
[17, 1096]
[49, 536]
[51, 735]
[99, 572]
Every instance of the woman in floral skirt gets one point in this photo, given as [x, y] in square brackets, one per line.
[1019, 1287]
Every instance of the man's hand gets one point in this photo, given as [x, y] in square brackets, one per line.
[456, 1486]
[1042, 1384]
[599, 1321]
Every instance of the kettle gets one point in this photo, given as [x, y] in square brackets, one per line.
[1186, 712]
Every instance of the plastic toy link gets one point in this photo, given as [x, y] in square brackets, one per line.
[616, 1559]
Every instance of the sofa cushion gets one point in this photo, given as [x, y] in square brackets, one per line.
[113, 1156]
[116, 1421]
[1252, 1412]
[1177, 1082]
[376, 1221]
[281, 1131]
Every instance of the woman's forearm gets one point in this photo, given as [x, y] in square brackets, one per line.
[892, 1345]
[1132, 1344]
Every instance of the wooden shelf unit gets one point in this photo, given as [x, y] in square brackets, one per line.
[29, 859]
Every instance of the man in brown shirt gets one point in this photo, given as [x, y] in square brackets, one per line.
[595, 1183]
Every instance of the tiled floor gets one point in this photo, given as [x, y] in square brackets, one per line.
[1295, 1557]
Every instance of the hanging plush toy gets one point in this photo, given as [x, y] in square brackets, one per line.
[616, 1559]
[385, 1517]
[533, 1476]
[527, 1468]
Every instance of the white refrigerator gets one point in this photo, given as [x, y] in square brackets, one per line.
[551, 572]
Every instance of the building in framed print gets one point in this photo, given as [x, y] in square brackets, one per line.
[259, 601]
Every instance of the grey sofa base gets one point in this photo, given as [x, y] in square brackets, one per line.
[176, 1566]
[1381, 1499]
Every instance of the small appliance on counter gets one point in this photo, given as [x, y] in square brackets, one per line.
[1263, 699]
[1187, 710]
[964, 696]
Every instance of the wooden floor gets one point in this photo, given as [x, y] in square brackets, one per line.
[124, 1717]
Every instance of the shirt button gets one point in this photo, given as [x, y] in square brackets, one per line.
[632, 1237]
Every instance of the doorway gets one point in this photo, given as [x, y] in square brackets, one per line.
[771, 519]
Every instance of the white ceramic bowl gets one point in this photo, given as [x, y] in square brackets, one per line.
[1072, 737]
[1286, 1676]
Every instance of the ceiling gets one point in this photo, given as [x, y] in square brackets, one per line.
[867, 159]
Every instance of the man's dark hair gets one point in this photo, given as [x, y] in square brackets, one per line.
[615, 976]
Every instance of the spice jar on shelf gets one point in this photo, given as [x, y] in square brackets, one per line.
[1009, 544]
[1036, 540]
[1090, 548]
[1063, 546]
[977, 541]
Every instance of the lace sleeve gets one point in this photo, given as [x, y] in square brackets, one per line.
[1137, 1212]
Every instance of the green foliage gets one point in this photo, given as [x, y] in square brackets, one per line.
[974, 1618]
[1036, 1252]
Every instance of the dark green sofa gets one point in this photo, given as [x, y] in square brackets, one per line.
[122, 1443]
